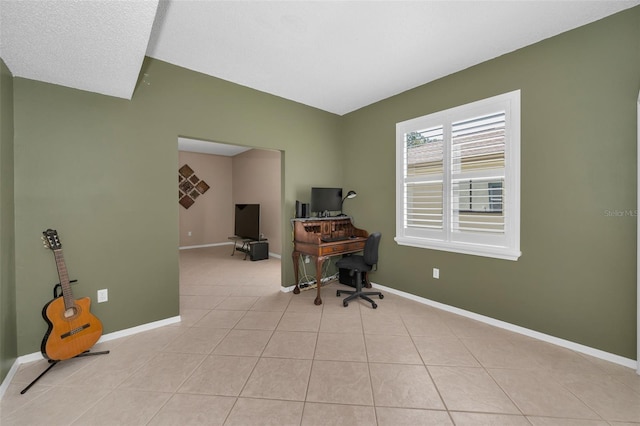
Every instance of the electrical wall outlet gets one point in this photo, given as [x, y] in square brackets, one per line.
[103, 295]
[189, 233]
[436, 273]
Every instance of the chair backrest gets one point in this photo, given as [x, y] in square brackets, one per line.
[371, 248]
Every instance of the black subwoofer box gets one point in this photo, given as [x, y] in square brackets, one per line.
[259, 250]
[350, 280]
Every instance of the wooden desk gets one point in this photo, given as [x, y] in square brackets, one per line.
[311, 237]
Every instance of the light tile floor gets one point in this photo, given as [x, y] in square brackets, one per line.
[246, 353]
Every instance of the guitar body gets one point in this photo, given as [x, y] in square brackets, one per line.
[71, 331]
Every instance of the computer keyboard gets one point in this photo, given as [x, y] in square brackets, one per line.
[332, 239]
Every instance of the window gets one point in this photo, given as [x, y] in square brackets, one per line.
[458, 179]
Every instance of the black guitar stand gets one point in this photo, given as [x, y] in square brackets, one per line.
[54, 362]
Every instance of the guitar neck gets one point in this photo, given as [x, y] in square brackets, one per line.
[67, 294]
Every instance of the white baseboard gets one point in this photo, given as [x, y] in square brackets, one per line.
[5, 383]
[205, 245]
[139, 329]
[597, 353]
[274, 255]
[36, 356]
[287, 289]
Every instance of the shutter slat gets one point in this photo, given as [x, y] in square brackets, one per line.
[423, 205]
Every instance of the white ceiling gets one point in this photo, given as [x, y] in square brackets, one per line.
[337, 56]
[93, 46]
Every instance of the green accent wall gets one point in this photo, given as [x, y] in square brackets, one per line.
[102, 171]
[8, 330]
[576, 278]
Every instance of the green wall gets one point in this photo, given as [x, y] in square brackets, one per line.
[102, 171]
[576, 278]
[8, 336]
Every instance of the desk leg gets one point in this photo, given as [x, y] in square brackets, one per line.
[296, 258]
[319, 261]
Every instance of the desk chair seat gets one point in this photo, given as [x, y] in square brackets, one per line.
[358, 264]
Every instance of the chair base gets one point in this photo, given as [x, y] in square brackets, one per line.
[358, 293]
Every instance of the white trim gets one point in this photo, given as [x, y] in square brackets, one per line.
[277, 256]
[597, 353]
[587, 350]
[204, 245]
[638, 245]
[459, 247]
[505, 245]
[139, 329]
[37, 356]
[287, 289]
[7, 380]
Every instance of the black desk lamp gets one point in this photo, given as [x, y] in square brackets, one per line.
[350, 194]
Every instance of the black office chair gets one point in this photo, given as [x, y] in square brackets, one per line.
[359, 264]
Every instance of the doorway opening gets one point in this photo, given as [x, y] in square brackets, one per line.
[233, 174]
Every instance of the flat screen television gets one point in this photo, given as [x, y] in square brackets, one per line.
[247, 221]
[326, 200]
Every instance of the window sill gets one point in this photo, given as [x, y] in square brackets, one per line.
[495, 252]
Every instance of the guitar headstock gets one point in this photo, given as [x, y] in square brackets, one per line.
[51, 240]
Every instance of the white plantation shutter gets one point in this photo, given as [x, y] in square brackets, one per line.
[458, 179]
[477, 162]
[423, 183]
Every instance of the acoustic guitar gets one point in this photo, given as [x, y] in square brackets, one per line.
[73, 329]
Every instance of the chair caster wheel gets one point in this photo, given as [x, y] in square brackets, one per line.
[338, 293]
[373, 305]
[345, 304]
[381, 296]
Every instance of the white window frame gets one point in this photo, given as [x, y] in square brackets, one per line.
[505, 246]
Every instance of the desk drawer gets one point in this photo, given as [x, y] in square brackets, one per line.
[342, 248]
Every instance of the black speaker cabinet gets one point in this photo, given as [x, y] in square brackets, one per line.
[303, 210]
[258, 250]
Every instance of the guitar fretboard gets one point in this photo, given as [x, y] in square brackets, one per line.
[67, 294]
